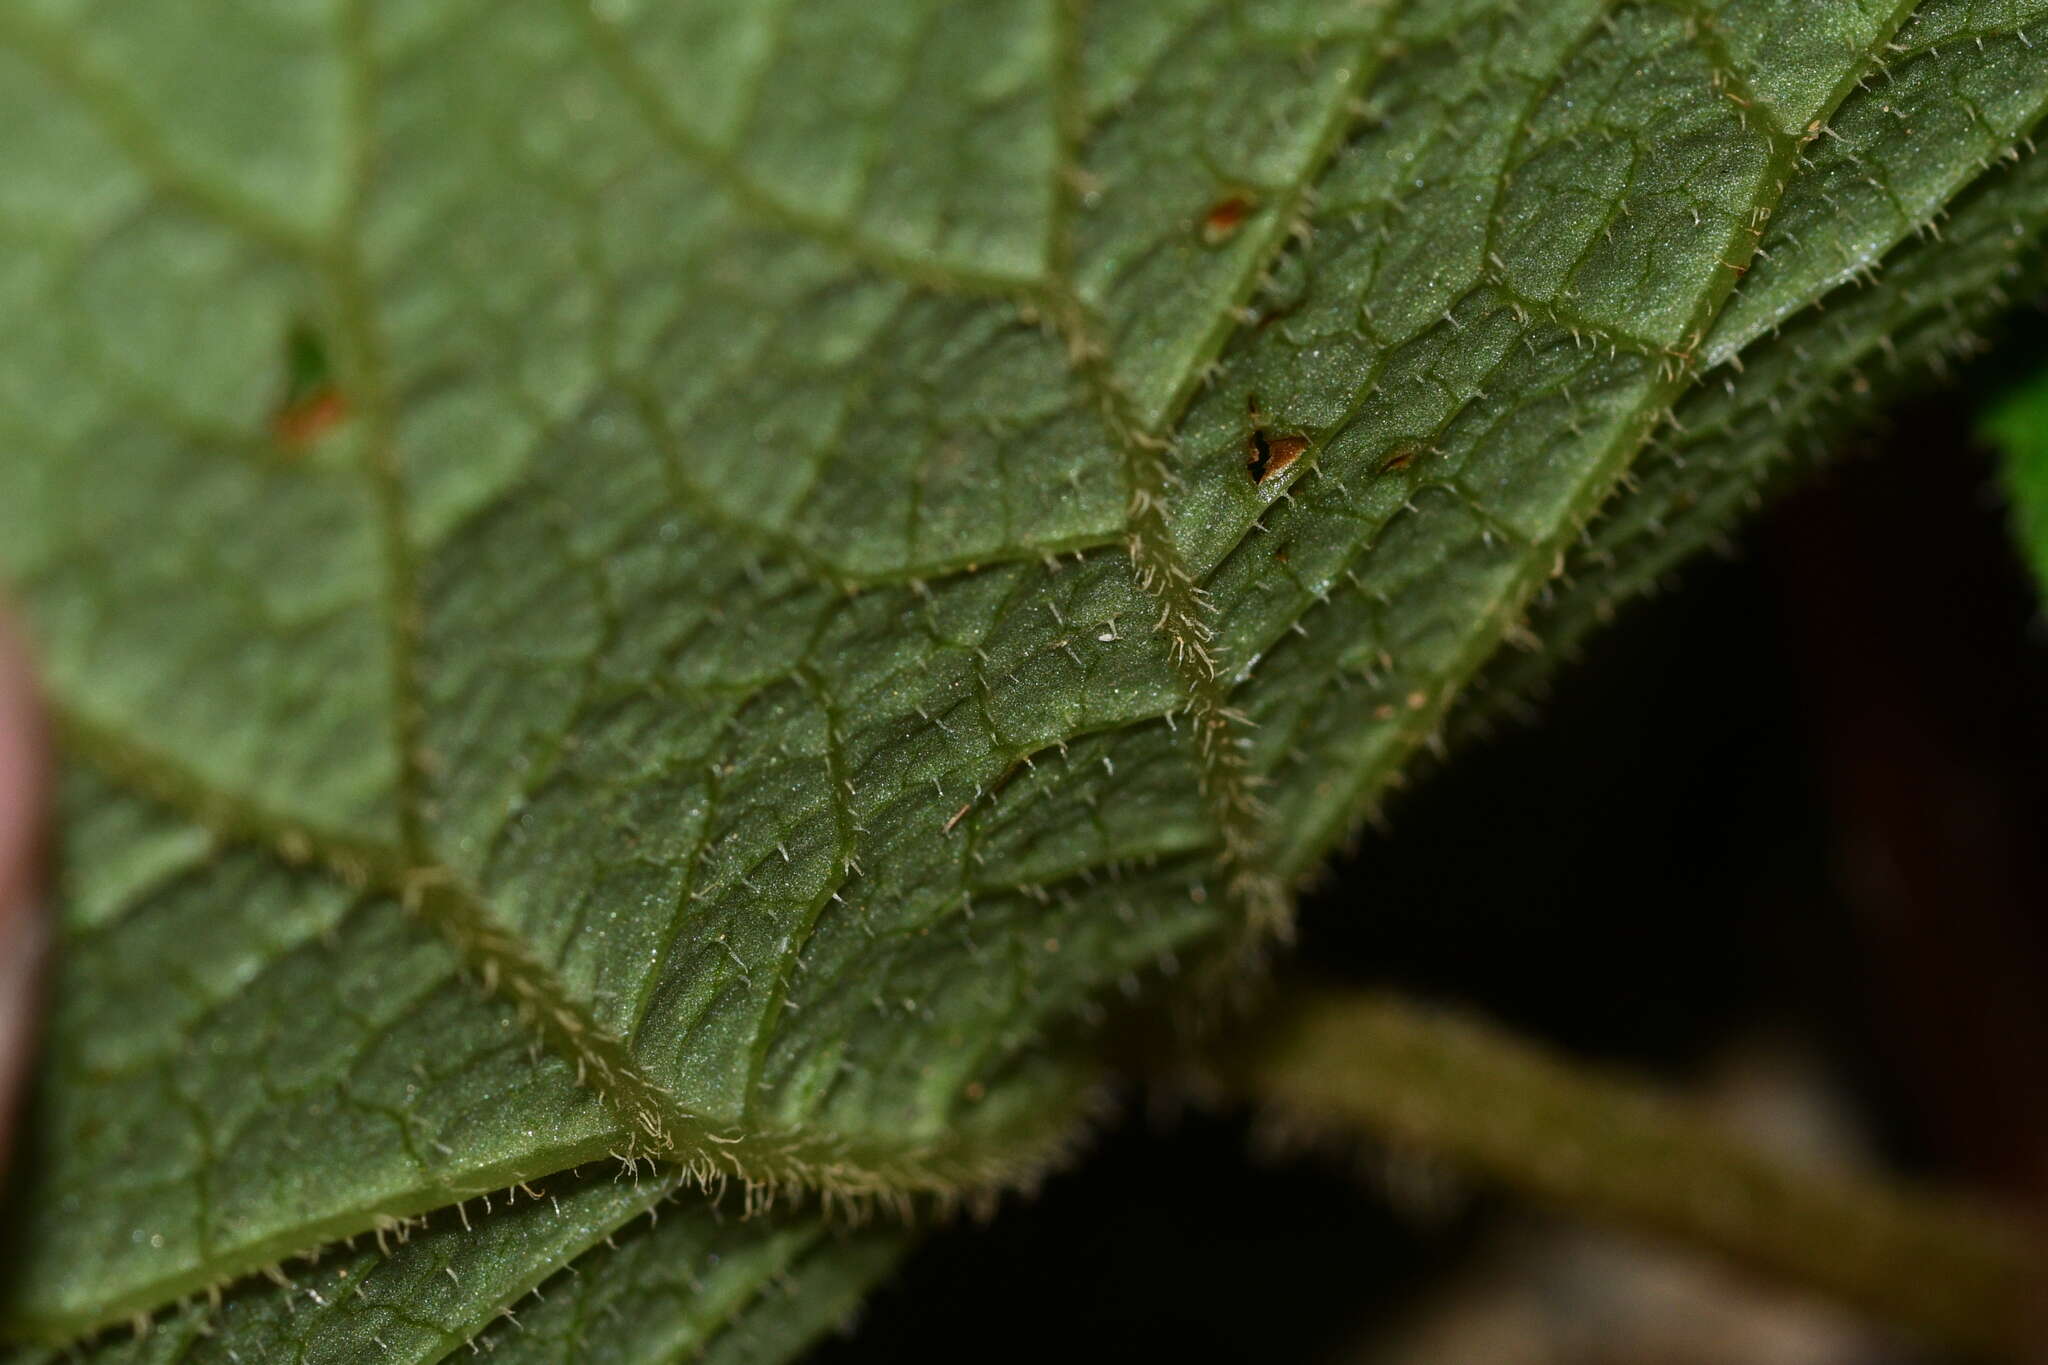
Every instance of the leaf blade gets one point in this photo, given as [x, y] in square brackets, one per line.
[726, 610]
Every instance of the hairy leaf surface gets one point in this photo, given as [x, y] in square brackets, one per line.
[803, 547]
[649, 1283]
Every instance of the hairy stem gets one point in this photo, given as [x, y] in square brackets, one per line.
[1342, 1065]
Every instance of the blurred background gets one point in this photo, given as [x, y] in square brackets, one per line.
[1777, 839]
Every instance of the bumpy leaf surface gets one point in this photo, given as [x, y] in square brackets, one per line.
[641, 1288]
[801, 547]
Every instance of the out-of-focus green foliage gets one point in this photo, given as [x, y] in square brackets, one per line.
[2019, 424]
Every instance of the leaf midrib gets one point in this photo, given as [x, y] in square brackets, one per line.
[409, 870]
[403, 870]
[400, 869]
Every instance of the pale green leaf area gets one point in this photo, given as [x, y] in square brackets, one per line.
[776, 630]
[2019, 424]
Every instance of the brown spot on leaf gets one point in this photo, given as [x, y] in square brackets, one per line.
[1399, 459]
[1267, 456]
[1225, 217]
[1264, 453]
[312, 404]
[305, 420]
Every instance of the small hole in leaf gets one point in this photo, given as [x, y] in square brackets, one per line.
[1265, 455]
[1269, 456]
[1225, 217]
[312, 404]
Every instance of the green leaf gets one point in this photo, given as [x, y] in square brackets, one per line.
[661, 1297]
[2019, 424]
[802, 573]
[649, 1282]
[1819, 376]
